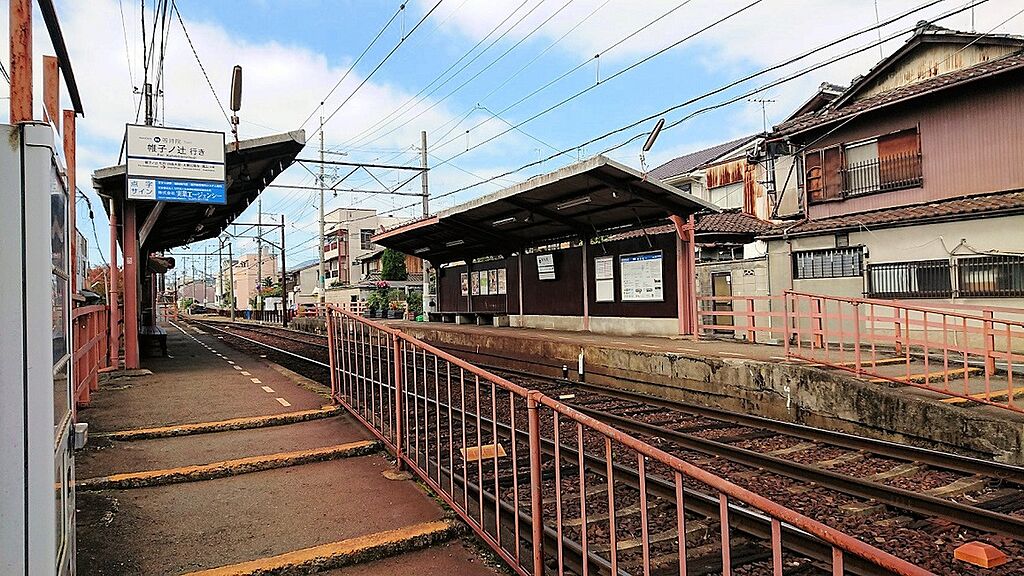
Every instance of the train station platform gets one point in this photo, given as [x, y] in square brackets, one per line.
[213, 461]
[760, 379]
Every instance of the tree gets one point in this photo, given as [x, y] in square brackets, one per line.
[392, 265]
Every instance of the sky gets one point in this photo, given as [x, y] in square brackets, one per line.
[467, 72]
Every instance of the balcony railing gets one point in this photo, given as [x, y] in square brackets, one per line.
[882, 174]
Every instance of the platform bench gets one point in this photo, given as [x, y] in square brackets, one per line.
[150, 335]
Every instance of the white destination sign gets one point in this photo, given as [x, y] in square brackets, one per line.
[641, 277]
[545, 266]
[175, 165]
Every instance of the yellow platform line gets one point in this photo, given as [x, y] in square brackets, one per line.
[222, 425]
[924, 378]
[227, 467]
[994, 394]
[344, 552]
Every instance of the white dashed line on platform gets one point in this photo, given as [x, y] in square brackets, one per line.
[268, 389]
[237, 367]
[230, 362]
[256, 381]
[284, 402]
[244, 373]
[689, 350]
[730, 354]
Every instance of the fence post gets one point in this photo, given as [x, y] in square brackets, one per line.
[786, 321]
[331, 356]
[819, 332]
[751, 320]
[856, 336]
[398, 398]
[536, 503]
[990, 343]
[897, 331]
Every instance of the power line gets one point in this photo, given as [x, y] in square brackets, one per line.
[3, 72]
[378, 67]
[399, 111]
[563, 75]
[515, 74]
[184, 29]
[707, 94]
[613, 76]
[355, 63]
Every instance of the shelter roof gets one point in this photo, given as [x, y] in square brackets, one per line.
[1004, 203]
[596, 197]
[711, 227]
[250, 166]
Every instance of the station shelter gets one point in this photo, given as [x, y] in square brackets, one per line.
[542, 254]
[144, 229]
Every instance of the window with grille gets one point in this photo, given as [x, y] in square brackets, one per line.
[919, 279]
[991, 276]
[364, 238]
[828, 263]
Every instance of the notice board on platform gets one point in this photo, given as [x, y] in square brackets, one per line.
[642, 277]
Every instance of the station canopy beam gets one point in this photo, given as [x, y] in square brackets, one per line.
[594, 198]
[251, 166]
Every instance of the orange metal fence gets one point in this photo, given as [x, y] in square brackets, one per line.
[89, 328]
[972, 354]
[545, 485]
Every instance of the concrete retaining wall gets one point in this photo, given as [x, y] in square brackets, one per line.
[782, 391]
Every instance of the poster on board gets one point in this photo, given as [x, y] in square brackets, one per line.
[546, 266]
[641, 277]
[492, 281]
[502, 281]
[485, 287]
[604, 279]
[464, 282]
[475, 281]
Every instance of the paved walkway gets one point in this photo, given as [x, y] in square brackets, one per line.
[222, 462]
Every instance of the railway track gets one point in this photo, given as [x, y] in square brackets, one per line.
[864, 487]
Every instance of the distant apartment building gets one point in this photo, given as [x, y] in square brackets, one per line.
[246, 273]
[347, 234]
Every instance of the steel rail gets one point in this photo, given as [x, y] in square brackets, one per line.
[933, 458]
[264, 344]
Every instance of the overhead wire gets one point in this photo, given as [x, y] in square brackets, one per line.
[354, 63]
[383, 121]
[487, 67]
[378, 67]
[199, 61]
[710, 93]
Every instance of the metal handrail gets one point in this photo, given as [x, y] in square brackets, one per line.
[382, 375]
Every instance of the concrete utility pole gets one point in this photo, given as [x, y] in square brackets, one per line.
[259, 251]
[322, 285]
[231, 282]
[220, 272]
[284, 280]
[426, 212]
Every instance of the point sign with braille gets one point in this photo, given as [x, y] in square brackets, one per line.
[175, 165]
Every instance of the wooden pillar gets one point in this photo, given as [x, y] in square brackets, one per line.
[69, 157]
[586, 288]
[130, 244]
[51, 91]
[21, 60]
[686, 280]
[113, 296]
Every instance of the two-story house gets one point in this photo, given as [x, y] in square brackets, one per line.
[347, 239]
[910, 182]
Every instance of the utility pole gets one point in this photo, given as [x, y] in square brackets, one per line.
[147, 94]
[259, 251]
[231, 282]
[220, 272]
[204, 279]
[322, 284]
[284, 280]
[426, 212]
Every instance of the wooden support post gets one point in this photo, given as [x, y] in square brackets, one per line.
[130, 243]
[21, 60]
[51, 91]
[69, 157]
[113, 297]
